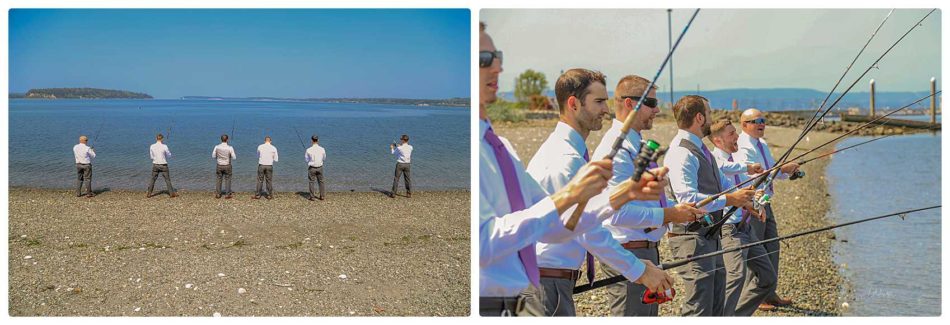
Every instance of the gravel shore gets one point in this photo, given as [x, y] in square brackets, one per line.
[808, 274]
[353, 254]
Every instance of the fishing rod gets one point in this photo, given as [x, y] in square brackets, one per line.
[651, 149]
[674, 264]
[99, 131]
[231, 136]
[299, 138]
[713, 226]
[771, 176]
[801, 174]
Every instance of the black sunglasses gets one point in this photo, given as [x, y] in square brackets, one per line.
[649, 101]
[760, 120]
[485, 58]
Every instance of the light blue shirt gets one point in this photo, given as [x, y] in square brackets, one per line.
[649, 211]
[731, 169]
[159, 153]
[684, 173]
[749, 154]
[558, 159]
[502, 233]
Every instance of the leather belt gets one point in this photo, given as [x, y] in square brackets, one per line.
[559, 273]
[671, 235]
[637, 244]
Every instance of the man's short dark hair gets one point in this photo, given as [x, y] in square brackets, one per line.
[159, 136]
[314, 138]
[574, 82]
[686, 109]
[404, 138]
[224, 138]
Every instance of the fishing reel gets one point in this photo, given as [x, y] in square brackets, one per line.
[650, 152]
[703, 222]
[797, 175]
[650, 297]
[762, 201]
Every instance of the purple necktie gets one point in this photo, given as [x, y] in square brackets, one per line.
[745, 216]
[764, 159]
[663, 203]
[528, 255]
[590, 258]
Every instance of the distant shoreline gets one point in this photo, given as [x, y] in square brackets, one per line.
[451, 102]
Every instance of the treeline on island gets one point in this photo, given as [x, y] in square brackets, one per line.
[80, 93]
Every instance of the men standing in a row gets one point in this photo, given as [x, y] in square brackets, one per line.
[515, 212]
[403, 154]
[642, 238]
[223, 154]
[749, 274]
[84, 155]
[582, 98]
[754, 149]
[266, 157]
[315, 157]
[159, 154]
[694, 176]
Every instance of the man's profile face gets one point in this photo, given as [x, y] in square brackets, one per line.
[594, 109]
[488, 76]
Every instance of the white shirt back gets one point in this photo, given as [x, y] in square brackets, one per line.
[266, 154]
[83, 153]
[159, 153]
[403, 152]
[315, 156]
[223, 153]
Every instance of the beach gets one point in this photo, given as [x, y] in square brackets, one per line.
[808, 273]
[120, 254]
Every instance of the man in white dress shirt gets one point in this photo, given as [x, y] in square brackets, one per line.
[159, 154]
[315, 157]
[749, 274]
[694, 175]
[403, 154]
[84, 155]
[515, 212]
[625, 298]
[582, 98]
[754, 149]
[266, 157]
[223, 154]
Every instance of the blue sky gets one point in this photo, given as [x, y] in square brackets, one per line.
[254, 52]
[724, 48]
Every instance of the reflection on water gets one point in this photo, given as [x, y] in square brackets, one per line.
[893, 265]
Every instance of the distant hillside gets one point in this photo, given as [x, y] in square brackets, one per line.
[779, 99]
[457, 102]
[82, 93]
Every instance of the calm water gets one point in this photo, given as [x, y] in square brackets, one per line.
[892, 264]
[356, 137]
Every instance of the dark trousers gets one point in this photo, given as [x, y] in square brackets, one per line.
[704, 280]
[163, 170]
[84, 172]
[402, 169]
[265, 173]
[768, 230]
[224, 173]
[749, 275]
[315, 174]
[555, 296]
[626, 298]
[507, 306]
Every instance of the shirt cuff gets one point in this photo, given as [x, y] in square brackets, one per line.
[656, 215]
[636, 270]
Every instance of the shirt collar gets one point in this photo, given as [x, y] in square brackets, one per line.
[566, 132]
[483, 126]
[691, 137]
[719, 153]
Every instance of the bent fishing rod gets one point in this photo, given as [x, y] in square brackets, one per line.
[765, 175]
[99, 131]
[299, 138]
[652, 147]
[675, 264]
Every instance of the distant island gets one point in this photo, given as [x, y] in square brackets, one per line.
[455, 102]
[80, 93]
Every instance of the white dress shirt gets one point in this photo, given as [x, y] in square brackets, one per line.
[749, 153]
[83, 153]
[223, 153]
[649, 211]
[403, 152]
[558, 159]
[502, 233]
[684, 173]
[315, 156]
[732, 170]
[159, 153]
[266, 154]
